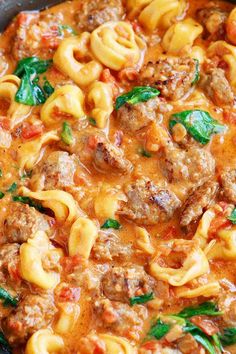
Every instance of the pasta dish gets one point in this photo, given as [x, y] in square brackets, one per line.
[118, 178]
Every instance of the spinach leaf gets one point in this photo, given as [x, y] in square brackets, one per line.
[4, 346]
[38, 65]
[8, 300]
[47, 88]
[1, 174]
[67, 134]
[111, 224]
[142, 299]
[199, 124]
[159, 329]
[197, 72]
[228, 337]
[1, 195]
[12, 188]
[29, 92]
[92, 121]
[29, 201]
[206, 308]
[144, 153]
[138, 94]
[232, 216]
[66, 28]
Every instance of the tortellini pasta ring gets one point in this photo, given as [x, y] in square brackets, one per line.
[116, 45]
[201, 234]
[228, 53]
[17, 112]
[65, 59]
[67, 99]
[101, 97]
[225, 247]
[207, 290]
[117, 345]
[32, 253]
[181, 36]
[61, 203]
[161, 13]
[68, 315]
[82, 237]
[29, 153]
[194, 264]
[44, 341]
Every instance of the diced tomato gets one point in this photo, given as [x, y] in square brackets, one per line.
[136, 27]
[92, 142]
[31, 131]
[69, 263]
[206, 325]
[14, 272]
[57, 114]
[128, 74]
[170, 232]
[5, 123]
[218, 223]
[151, 345]
[229, 117]
[70, 294]
[107, 77]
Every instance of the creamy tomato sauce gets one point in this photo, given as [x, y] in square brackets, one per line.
[146, 227]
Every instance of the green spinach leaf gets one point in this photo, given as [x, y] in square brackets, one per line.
[197, 72]
[159, 329]
[232, 216]
[111, 224]
[207, 308]
[199, 124]
[29, 201]
[4, 346]
[142, 299]
[67, 28]
[12, 188]
[228, 337]
[8, 300]
[138, 94]
[67, 134]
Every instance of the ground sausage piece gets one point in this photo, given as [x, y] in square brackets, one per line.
[217, 87]
[36, 35]
[109, 246]
[199, 199]
[213, 19]
[133, 117]
[227, 304]
[188, 345]
[228, 181]
[22, 222]
[57, 171]
[148, 203]
[172, 76]
[9, 263]
[122, 283]
[194, 164]
[94, 13]
[120, 318]
[33, 313]
[108, 157]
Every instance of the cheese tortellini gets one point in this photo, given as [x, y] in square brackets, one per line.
[106, 202]
[68, 315]
[116, 46]
[143, 242]
[225, 246]
[194, 264]
[181, 36]
[17, 112]
[100, 97]
[68, 99]
[33, 254]
[82, 237]
[227, 53]
[206, 290]
[70, 56]
[45, 341]
[61, 203]
[117, 345]
[29, 153]
[156, 13]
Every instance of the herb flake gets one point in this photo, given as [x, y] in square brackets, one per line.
[8, 299]
[111, 224]
[159, 329]
[142, 299]
[67, 134]
[232, 217]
